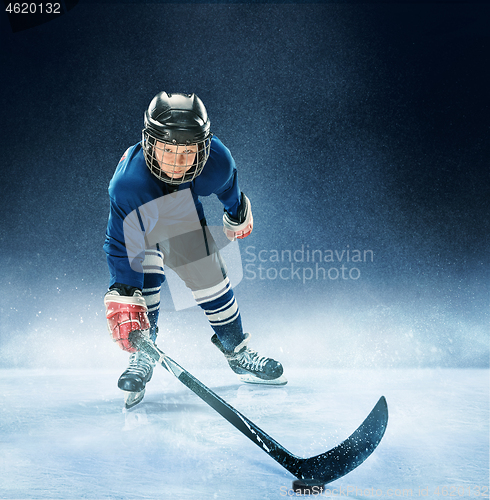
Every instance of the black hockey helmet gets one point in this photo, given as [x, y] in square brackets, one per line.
[179, 120]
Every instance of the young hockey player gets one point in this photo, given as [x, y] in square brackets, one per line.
[156, 219]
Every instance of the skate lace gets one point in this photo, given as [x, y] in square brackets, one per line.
[252, 361]
[139, 363]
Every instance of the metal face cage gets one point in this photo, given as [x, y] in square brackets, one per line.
[174, 163]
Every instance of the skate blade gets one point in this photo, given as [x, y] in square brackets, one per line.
[251, 379]
[131, 399]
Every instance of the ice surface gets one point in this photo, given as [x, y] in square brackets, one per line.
[64, 434]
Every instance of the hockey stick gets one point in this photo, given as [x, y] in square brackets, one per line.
[317, 470]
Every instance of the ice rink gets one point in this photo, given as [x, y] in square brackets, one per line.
[64, 434]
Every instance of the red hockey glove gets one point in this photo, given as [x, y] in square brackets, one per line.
[126, 311]
[239, 228]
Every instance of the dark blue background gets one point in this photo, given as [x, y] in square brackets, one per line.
[364, 125]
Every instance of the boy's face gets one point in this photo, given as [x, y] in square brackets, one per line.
[175, 160]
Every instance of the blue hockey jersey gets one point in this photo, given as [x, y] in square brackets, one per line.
[133, 185]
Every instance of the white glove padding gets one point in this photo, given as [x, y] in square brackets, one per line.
[242, 227]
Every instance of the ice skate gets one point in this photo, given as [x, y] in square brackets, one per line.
[134, 379]
[249, 366]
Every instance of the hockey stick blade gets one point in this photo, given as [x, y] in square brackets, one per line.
[317, 470]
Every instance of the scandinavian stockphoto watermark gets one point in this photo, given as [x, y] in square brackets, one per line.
[436, 491]
[305, 264]
[166, 236]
